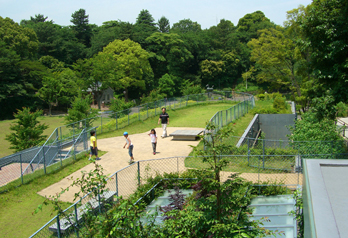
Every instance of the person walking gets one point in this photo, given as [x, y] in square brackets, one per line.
[164, 119]
[153, 137]
[94, 148]
[130, 146]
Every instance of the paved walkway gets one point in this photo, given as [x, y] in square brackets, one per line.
[117, 158]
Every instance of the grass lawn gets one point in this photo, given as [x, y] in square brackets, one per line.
[17, 205]
[52, 122]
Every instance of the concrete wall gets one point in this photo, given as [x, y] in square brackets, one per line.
[275, 126]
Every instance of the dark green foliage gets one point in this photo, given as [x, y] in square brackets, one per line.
[325, 27]
[163, 25]
[81, 26]
[27, 130]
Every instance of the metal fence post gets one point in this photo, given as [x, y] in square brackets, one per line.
[139, 112]
[248, 152]
[263, 152]
[177, 164]
[58, 227]
[138, 173]
[76, 219]
[44, 159]
[128, 119]
[147, 110]
[116, 184]
[155, 108]
[20, 161]
[116, 122]
[101, 124]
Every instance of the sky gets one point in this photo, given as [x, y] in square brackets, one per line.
[207, 13]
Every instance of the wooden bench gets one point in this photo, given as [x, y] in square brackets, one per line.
[67, 222]
[185, 134]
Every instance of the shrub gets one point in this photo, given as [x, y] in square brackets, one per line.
[342, 109]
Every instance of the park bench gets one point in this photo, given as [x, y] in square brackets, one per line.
[185, 134]
[91, 205]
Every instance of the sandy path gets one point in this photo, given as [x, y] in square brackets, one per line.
[117, 158]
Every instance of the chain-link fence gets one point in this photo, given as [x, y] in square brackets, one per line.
[125, 181]
[72, 139]
[257, 160]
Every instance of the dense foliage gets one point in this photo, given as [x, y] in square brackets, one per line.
[304, 58]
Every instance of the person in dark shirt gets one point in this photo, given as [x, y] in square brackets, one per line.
[164, 119]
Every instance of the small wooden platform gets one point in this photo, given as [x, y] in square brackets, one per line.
[185, 134]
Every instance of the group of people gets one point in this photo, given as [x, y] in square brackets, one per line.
[163, 118]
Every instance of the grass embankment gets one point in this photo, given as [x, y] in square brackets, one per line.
[17, 205]
[250, 164]
[52, 122]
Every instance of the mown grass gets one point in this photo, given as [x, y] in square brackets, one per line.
[18, 204]
[52, 122]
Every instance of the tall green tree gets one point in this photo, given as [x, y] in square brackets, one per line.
[326, 27]
[81, 26]
[168, 54]
[186, 25]
[163, 25]
[27, 130]
[144, 27]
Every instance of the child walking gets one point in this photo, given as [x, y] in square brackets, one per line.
[94, 149]
[130, 146]
[153, 137]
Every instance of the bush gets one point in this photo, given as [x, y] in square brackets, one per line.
[120, 107]
[342, 109]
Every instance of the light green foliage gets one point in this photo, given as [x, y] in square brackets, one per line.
[166, 85]
[17, 38]
[342, 109]
[59, 86]
[118, 105]
[211, 71]
[80, 110]
[188, 88]
[123, 64]
[27, 130]
[310, 129]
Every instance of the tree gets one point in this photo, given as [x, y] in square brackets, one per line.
[146, 18]
[81, 110]
[81, 26]
[144, 27]
[166, 85]
[168, 54]
[186, 25]
[325, 26]
[211, 71]
[59, 86]
[121, 65]
[163, 25]
[20, 39]
[277, 60]
[250, 24]
[28, 130]
[108, 32]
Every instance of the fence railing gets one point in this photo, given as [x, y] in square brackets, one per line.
[57, 145]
